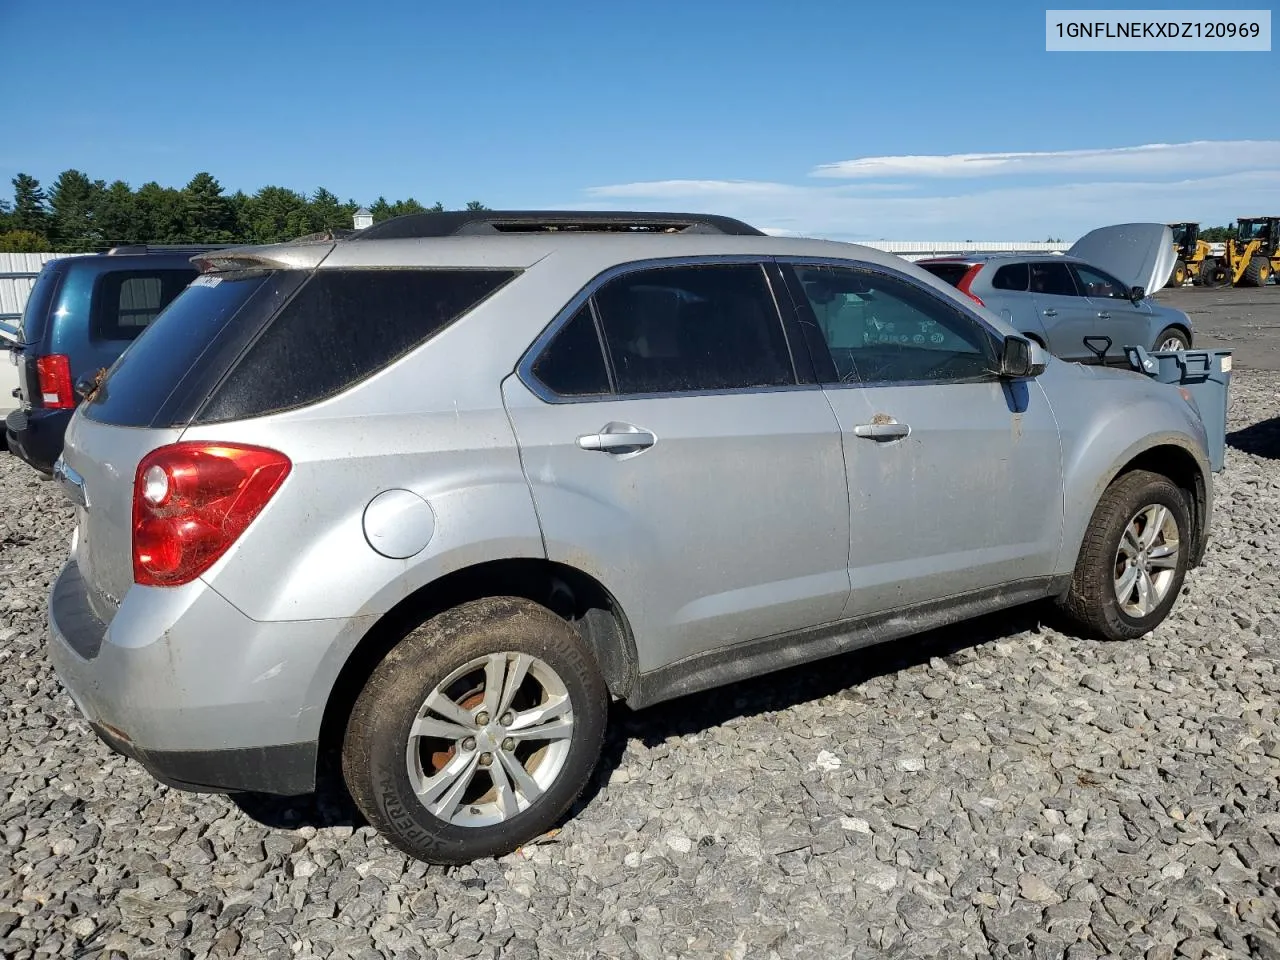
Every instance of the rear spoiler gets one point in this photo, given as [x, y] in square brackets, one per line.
[295, 255]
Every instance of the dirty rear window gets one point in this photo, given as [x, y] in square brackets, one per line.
[342, 327]
[154, 364]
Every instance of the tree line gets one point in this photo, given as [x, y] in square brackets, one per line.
[76, 214]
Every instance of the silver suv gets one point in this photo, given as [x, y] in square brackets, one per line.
[434, 494]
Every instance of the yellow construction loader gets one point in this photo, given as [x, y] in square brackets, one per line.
[1191, 251]
[1252, 256]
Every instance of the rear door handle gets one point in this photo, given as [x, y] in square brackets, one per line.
[618, 438]
[1104, 316]
[1051, 313]
[882, 431]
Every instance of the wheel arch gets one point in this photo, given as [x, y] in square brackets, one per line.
[1178, 326]
[1176, 462]
[567, 591]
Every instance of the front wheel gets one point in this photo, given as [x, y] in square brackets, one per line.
[477, 732]
[1179, 275]
[1257, 272]
[1133, 559]
[1171, 338]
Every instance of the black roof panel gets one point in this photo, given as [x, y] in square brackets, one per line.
[478, 222]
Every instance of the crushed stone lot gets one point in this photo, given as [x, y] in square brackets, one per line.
[998, 788]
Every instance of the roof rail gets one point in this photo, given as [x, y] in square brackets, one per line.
[134, 249]
[480, 222]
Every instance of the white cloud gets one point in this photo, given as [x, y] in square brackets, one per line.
[1152, 159]
[1024, 212]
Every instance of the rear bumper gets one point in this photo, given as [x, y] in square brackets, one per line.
[284, 770]
[36, 435]
[182, 682]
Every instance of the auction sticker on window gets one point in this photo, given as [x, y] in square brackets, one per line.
[1188, 31]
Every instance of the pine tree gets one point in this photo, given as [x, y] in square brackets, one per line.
[207, 215]
[73, 200]
[30, 206]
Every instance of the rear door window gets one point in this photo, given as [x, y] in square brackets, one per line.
[694, 328]
[1053, 279]
[126, 301]
[1012, 276]
[572, 364]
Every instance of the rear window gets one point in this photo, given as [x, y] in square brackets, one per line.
[31, 327]
[342, 327]
[126, 301]
[951, 273]
[153, 366]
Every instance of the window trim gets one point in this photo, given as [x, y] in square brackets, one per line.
[524, 368]
[984, 325]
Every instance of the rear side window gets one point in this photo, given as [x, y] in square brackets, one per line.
[342, 327]
[951, 273]
[1012, 276]
[125, 302]
[679, 329]
[572, 365]
[1052, 278]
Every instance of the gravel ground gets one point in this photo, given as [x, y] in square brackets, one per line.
[1001, 788]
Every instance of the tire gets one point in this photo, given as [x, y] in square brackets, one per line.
[1095, 599]
[1179, 275]
[1256, 273]
[380, 766]
[1209, 274]
[1171, 338]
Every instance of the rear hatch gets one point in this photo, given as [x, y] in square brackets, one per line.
[948, 271]
[146, 401]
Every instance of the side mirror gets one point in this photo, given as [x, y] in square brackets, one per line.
[1020, 358]
[1137, 294]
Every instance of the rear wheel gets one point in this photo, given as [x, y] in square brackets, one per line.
[1171, 338]
[1133, 559]
[1179, 275]
[1257, 272]
[477, 732]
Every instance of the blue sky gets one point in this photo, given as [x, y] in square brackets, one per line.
[748, 108]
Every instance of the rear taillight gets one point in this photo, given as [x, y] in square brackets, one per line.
[969, 276]
[191, 501]
[53, 374]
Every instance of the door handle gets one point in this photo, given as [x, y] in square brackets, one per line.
[882, 431]
[1051, 313]
[618, 438]
[1104, 316]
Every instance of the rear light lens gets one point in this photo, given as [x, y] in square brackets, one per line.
[191, 502]
[963, 286]
[53, 374]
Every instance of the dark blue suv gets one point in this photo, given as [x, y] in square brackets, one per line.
[82, 314]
